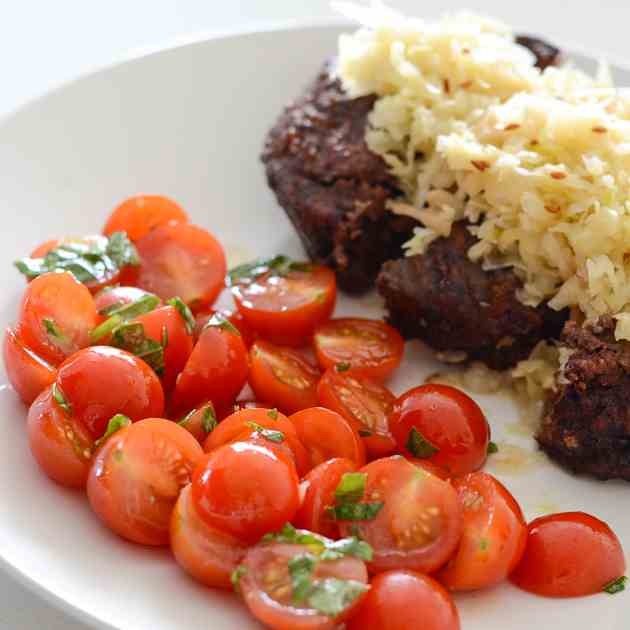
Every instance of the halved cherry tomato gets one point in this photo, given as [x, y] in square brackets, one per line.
[181, 259]
[364, 403]
[396, 599]
[207, 554]
[246, 490]
[200, 422]
[41, 250]
[112, 298]
[320, 485]
[569, 555]
[99, 382]
[285, 308]
[268, 590]
[136, 478]
[282, 376]
[430, 467]
[216, 370]
[234, 317]
[368, 347]
[494, 535]
[326, 434]
[239, 425]
[60, 443]
[139, 215]
[442, 424]
[56, 316]
[419, 522]
[28, 373]
[240, 405]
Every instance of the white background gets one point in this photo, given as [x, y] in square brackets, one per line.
[44, 43]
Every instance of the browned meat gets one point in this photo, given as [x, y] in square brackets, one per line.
[587, 424]
[457, 308]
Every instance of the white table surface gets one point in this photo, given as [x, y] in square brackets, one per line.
[44, 43]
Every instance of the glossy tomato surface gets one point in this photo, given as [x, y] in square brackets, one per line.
[200, 422]
[112, 298]
[234, 317]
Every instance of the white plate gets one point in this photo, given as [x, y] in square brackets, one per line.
[189, 123]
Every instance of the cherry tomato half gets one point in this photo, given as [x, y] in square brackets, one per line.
[234, 317]
[442, 424]
[569, 555]
[99, 382]
[283, 377]
[494, 535]
[136, 478]
[368, 347]
[326, 434]
[112, 298]
[395, 599]
[56, 316]
[246, 490]
[181, 259]
[28, 374]
[200, 422]
[139, 215]
[208, 555]
[286, 309]
[364, 403]
[419, 523]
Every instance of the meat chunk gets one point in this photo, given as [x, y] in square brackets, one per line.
[587, 423]
[460, 310]
[333, 188]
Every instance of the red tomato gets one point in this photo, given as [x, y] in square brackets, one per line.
[320, 485]
[111, 298]
[430, 467]
[326, 434]
[140, 215]
[216, 370]
[394, 602]
[364, 403]
[494, 535]
[100, 382]
[56, 316]
[240, 405]
[282, 376]
[41, 250]
[368, 347]
[200, 422]
[208, 555]
[28, 374]
[286, 308]
[569, 555]
[246, 490]
[419, 524]
[268, 591]
[236, 426]
[234, 317]
[442, 424]
[136, 478]
[180, 259]
[60, 444]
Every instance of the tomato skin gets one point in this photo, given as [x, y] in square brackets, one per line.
[286, 310]
[208, 555]
[137, 216]
[246, 490]
[420, 524]
[449, 419]
[239, 405]
[182, 260]
[194, 421]
[136, 478]
[216, 370]
[494, 537]
[321, 483]
[62, 300]
[100, 382]
[28, 374]
[41, 250]
[364, 403]
[370, 347]
[431, 468]
[572, 554]
[61, 446]
[234, 317]
[282, 376]
[394, 599]
[120, 296]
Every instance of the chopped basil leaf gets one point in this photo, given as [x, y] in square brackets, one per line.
[273, 413]
[164, 340]
[187, 418]
[492, 448]
[342, 367]
[223, 323]
[616, 586]
[355, 511]
[351, 488]
[60, 397]
[112, 308]
[348, 547]
[185, 312]
[209, 421]
[236, 576]
[483, 544]
[301, 569]
[268, 434]
[278, 265]
[365, 433]
[122, 251]
[132, 338]
[332, 596]
[118, 422]
[419, 446]
[52, 330]
[125, 313]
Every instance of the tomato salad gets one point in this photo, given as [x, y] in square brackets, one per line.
[325, 500]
